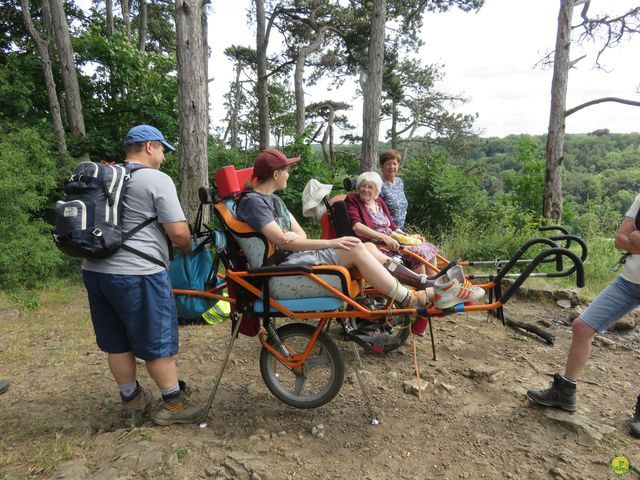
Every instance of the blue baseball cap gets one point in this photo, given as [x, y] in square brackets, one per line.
[147, 133]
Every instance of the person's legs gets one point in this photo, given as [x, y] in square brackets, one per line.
[399, 271]
[615, 301]
[369, 261]
[580, 349]
[163, 371]
[123, 367]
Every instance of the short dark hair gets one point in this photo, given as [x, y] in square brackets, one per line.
[389, 155]
[139, 146]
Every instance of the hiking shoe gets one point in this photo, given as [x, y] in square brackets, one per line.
[135, 408]
[635, 423]
[447, 290]
[561, 394]
[177, 408]
[4, 386]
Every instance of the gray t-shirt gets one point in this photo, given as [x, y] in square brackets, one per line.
[150, 193]
[258, 210]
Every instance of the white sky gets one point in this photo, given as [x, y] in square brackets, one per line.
[488, 57]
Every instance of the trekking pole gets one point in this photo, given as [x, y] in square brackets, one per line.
[374, 420]
[234, 334]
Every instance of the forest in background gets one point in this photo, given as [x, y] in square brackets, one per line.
[95, 73]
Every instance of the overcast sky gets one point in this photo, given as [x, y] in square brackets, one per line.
[489, 57]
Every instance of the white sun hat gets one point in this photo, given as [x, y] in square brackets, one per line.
[312, 195]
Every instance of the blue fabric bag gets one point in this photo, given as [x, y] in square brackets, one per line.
[192, 271]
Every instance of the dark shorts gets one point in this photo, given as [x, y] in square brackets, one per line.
[133, 313]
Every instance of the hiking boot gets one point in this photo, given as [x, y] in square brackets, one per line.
[177, 408]
[135, 408]
[4, 386]
[561, 394]
[446, 292]
[635, 423]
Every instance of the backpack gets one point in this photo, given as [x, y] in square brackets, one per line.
[193, 271]
[88, 222]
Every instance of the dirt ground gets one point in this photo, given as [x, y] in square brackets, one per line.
[60, 417]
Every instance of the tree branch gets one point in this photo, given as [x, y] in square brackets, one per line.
[601, 100]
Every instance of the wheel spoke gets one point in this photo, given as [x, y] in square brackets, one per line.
[299, 384]
[317, 361]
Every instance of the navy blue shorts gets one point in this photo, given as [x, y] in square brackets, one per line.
[133, 313]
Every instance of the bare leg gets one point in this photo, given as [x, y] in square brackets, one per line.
[123, 367]
[368, 259]
[163, 371]
[580, 349]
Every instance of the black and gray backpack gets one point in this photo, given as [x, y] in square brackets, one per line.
[88, 222]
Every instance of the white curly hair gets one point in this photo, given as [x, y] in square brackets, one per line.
[372, 177]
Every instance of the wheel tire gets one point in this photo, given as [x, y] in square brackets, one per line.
[401, 327]
[323, 370]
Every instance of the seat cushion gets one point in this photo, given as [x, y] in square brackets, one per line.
[312, 304]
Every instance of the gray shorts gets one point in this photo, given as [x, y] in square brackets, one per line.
[326, 256]
[613, 303]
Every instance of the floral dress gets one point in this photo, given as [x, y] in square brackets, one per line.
[393, 195]
[382, 224]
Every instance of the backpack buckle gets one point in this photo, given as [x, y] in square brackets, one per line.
[96, 232]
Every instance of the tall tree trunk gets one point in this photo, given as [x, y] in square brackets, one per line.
[372, 92]
[69, 74]
[142, 25]
[394, 124]
[552, 199]
[262, 41]
[110, 24]
[190, 16]
[49, 81]
[303, 53]
[126, 13]
[233, 117]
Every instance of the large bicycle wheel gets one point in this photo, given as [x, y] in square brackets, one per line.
[317, 381]
[385, 334]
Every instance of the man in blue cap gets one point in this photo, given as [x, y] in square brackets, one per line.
[132, 306]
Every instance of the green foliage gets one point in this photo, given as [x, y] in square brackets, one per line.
[437, 191]
[29, 178]
[127, 87]
[526, 186]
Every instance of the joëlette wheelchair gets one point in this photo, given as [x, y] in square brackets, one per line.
[299, 362]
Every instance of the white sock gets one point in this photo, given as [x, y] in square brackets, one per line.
[399, 293]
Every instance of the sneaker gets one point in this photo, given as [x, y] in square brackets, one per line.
[4, 386]
[456, 272]
[447, 290]
[635, 423]
[177, 409]
[561, 394]
[135, 408]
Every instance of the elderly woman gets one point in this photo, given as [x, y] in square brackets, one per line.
[372, 221]
[392, 191]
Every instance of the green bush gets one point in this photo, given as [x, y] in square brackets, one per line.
[29, 178]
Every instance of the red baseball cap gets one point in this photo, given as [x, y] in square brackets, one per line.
[270, 160]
